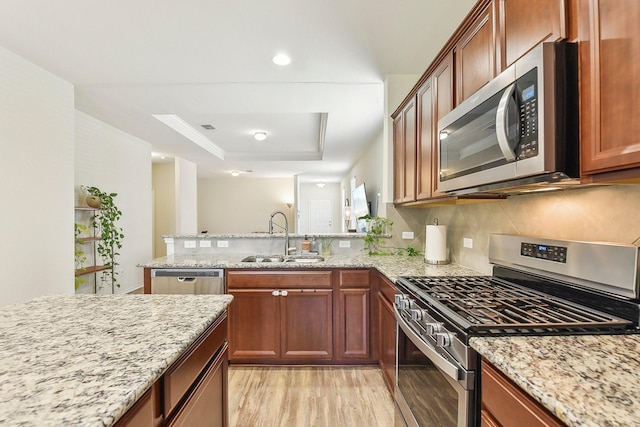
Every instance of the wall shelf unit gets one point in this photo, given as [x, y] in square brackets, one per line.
[90, 268]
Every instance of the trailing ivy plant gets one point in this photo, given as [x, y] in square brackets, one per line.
[79, 254]
[374, 241]
[105, 225]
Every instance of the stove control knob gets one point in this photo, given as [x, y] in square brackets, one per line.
[443, 339]
[417, 314]
[402, 301]
[433, 328]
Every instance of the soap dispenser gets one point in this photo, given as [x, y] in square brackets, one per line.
[306, 245]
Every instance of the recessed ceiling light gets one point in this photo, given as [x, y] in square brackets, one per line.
[260, 136]
[281, 59]
[235, 173]
[320, 184]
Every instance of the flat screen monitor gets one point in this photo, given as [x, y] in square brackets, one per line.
[360, 207]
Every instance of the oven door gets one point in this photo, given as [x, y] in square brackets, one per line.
[430, 390]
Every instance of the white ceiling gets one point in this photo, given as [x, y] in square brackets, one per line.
[209, 62]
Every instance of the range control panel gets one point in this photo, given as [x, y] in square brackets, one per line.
[546, 252]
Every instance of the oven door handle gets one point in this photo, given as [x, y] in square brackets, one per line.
[440, 362]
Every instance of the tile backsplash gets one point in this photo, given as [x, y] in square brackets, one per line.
[603, 213]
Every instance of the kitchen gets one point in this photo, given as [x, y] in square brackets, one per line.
[41, 219]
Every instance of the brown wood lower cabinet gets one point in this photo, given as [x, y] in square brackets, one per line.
[280, 316]
[193, 391]
[387, 328]
[504, 404]
[299, 316]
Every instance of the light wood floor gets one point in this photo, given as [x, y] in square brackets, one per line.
[309, 396]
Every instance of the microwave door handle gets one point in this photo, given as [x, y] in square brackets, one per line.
[501, 124]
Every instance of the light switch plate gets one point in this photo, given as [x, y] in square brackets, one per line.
[345, 244]
[205, 243]
[467, 243]
[223, 243]
[189, 244]
[407, 234]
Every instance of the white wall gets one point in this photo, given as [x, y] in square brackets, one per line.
[242, 205]
[186, 197]
[164, 201]
[36, 170]
[117, 162]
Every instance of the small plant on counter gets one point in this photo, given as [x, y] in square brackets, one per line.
[374, 241]
[106, 227]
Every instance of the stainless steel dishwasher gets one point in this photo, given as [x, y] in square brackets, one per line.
[187, 281]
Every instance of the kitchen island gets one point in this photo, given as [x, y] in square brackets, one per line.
[87, 359]
[585, 380]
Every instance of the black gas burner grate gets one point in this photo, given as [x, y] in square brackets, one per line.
[479, 303]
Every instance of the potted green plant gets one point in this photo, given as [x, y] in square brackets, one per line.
[105, 225]
[374, 241]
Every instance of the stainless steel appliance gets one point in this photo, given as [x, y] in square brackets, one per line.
[518, 131]
[538, 287]
[187, 281]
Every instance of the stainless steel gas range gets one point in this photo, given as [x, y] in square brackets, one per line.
[538, 287]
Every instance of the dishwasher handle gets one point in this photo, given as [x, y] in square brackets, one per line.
[184, 273]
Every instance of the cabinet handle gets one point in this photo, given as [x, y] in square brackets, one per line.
[275, 293]
[284, 293]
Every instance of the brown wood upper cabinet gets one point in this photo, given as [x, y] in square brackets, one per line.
[475, 54]
[440, 89]
[404, 148]
[609, 89]
[524, 24]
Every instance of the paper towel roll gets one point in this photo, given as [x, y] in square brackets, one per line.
[436, 245]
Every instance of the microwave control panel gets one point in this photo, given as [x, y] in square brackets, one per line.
[528, 102]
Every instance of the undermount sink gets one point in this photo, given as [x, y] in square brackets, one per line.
[281, 258]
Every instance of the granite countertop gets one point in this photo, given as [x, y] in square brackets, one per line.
[585, 380]
[71, 360]
[392, 266]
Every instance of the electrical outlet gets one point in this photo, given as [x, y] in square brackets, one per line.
[223, 243]
[189, 244]
[407, 234]
[467, 243]
[205, 243]
[345, 244]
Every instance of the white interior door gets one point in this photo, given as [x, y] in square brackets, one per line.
[320, 216]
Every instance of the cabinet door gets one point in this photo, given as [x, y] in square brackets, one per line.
[207, 404]
[353, 324]
[476, 55]
[609, 53]
[504, 403]
[254, 325]
[398, 159]
[387, 340]
[443, 96]
[527, 23]
[425, 142]
[306, 324]
[409, 152]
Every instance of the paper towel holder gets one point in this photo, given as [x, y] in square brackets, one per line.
[438, 237]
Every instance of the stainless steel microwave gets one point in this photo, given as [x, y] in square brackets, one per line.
[519, 131]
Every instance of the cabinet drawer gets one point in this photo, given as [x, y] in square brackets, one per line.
[296, 279]
[354, 278]
[510, 405]
[186, 370]
[387, 289]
